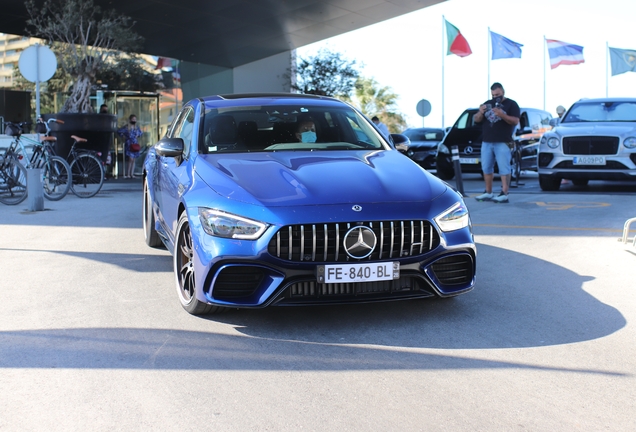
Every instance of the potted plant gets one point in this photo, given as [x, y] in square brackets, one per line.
[85, 39]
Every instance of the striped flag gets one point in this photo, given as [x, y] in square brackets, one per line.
[563, 53]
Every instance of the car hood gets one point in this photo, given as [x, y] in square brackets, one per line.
[318, 178]
[596, 129]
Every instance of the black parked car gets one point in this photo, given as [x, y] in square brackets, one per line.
[423, 146]
[466, 135]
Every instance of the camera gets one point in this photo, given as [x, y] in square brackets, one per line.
[498, 101]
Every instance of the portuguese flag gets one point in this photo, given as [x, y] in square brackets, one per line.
[457, 43]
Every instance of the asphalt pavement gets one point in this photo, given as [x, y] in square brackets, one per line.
[92, 335]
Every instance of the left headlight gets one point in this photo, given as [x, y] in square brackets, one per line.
[553, 142]
[220, 224]
[630, 142]
[454, 218]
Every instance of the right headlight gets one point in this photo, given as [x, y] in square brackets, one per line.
[630, 142]
[220, 224]
[453, 218]
[553, 142]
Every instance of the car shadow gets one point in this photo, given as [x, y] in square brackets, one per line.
[527, 302]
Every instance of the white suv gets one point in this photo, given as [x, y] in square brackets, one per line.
[595, 140]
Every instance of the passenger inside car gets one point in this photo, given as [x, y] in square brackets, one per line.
[306, 130]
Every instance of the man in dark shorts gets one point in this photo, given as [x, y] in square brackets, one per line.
[498, 117]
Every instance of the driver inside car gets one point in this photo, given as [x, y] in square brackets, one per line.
[306, 130]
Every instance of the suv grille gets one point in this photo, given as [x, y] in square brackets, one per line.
[324, 242]
[592, 145]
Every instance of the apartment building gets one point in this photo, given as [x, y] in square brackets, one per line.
[10, 48]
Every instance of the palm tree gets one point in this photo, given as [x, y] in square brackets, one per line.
[372, 100]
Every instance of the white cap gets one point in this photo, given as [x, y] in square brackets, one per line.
[560, 109]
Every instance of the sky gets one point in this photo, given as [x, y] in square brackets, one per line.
[405, 54]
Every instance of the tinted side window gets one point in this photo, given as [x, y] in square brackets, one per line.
[184, 128]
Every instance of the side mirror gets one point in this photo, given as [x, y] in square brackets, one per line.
[170, 147]
[401, 142]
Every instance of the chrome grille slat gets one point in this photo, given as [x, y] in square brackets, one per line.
[326, 246]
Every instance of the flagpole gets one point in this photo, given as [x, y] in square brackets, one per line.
[544, 66]
[606, 69]
[489, 51]
[443, 55]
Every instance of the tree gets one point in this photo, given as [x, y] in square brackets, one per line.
[327, 73]
[373, 100]
[84, 37]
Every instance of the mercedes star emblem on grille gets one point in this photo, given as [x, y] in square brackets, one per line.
[468, 150]
[356, 208]
[359, 242]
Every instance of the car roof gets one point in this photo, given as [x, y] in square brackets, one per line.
[246, 99]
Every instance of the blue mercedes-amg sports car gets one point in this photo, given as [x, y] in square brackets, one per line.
[289, 199]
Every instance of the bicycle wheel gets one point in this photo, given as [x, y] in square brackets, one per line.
[13, 182]
[88, 175]
[56, 178]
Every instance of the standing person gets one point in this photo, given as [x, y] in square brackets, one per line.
[498, 117]
[131, 134]
[560, 110]
[381, 126]
[103, 109]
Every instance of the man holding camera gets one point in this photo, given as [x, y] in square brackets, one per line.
[498, 117]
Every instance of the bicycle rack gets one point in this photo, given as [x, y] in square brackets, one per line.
[625, 238]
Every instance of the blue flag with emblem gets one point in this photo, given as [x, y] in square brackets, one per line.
[502, 47]
[622, 60]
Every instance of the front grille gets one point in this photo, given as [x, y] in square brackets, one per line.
[590, 145]
[324, 242]
[454, 270]
[237, 281]
[609, 165]
[313, 289]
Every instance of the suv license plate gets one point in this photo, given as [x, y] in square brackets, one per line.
[347, 273]
[589, 160]
[472, 161]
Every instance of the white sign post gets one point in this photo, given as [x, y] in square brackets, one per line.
[37, 64]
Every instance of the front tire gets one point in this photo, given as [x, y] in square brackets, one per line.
[548, 183]
[184, 271]
[150, 233]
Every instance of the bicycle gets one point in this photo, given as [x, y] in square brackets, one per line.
[13, 179]
[55, 170]
[87, 170]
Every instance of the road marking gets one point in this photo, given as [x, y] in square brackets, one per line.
[567, 206]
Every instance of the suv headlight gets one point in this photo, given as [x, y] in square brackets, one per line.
[454, 218]
[220, 224]
[553, 142]
[630, 142]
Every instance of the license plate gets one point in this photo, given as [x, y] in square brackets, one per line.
[469, 160]
[368, 272]
[589, 160]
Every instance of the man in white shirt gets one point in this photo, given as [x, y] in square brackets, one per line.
[383, 129]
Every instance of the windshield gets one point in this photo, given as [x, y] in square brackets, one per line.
[286, 127]
[601, 112]
[424, 134]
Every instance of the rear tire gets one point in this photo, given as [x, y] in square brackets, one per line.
[150, 233]
[13, 182]
[56, 178]
[548, 183]
[88, 175]
[183, 258]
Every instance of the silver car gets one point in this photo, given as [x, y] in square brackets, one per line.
[595, 140]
